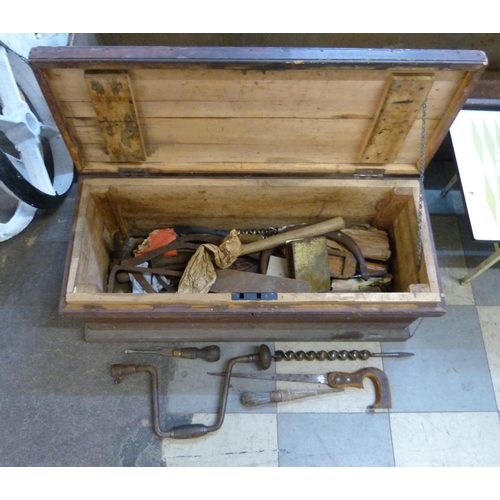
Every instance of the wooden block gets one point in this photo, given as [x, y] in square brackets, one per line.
[373, 243]
[341, 263]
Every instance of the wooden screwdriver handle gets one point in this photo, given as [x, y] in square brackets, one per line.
[210, 353]
[279, 239]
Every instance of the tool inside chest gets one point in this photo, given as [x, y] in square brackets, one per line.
[253, 140]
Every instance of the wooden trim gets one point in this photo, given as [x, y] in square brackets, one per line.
[265, 57]
[390, 208]
[458, 102]
[285, 301]
[235, 169]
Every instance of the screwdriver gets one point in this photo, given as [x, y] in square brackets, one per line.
[210, 353]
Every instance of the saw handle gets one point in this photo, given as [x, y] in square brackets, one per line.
[340, 380]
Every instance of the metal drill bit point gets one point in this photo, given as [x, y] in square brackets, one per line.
[391, 354]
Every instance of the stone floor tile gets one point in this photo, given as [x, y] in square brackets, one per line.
[439, 204]
[449, 370]
[242, 441]
[77, 430]
[334, 440]
[489, 319]
[451, 260]
[446, 439]
[484, 286]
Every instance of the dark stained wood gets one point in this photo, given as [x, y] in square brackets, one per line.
[264, 57]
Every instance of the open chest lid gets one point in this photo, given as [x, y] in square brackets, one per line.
[240, 111]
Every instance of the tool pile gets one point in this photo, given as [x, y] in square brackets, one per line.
[263, 358]
[320, 257]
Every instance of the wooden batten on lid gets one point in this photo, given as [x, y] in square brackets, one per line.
[113, 100]
[402, 102]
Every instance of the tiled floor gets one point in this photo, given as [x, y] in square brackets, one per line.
[59, 406]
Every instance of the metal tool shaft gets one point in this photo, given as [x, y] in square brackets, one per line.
[287, 377]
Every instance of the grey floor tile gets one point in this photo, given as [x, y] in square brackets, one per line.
[335, 440]
[438, 204]
[32, 275]
[243, 441]
[55, 224]
[449, 370]
[451, 260]
[446, 439]
[489, 318]
[78, 431]
[484, 286]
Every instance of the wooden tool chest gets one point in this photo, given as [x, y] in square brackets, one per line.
[248, 138]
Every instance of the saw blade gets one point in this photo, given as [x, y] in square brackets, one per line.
[287, 377]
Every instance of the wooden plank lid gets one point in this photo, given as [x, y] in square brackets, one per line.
[228, 110]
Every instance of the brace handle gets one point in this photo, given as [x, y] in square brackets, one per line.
[188, 431]
[339, 380]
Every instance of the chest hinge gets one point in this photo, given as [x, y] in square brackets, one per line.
[369, 173]
[133, 172]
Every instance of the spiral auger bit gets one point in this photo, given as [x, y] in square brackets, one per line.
[333, 355]
[262, 358]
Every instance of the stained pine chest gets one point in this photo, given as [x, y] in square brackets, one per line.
[247, 139]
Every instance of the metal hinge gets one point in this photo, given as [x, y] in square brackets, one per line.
[369, 173]
[254, 296]
[133, 172]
